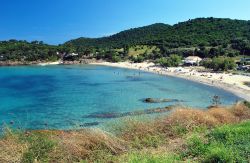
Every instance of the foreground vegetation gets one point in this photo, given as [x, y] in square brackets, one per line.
[219, 134]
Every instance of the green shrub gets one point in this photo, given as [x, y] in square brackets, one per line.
[218, 154]
[179, 130]
[137, 59]
[228, 143]
[235, 137]
[195, 147]
[172, 61]
[39, 148]
[247, 103]
[52, 58]
[150, 158]
[116, 58]
[220, 64]
[148, 141]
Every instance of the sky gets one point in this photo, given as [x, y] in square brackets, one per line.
[57, 21]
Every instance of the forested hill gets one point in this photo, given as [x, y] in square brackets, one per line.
[205, 37]
[129, 37]
[206, 31]
[14, 50]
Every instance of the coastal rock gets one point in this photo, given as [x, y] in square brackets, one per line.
[87, 61]
[17, 63]
[70, 62]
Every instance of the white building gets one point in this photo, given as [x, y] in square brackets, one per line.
[192, 60]
[70, 55]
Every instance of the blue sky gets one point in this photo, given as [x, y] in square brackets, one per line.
[56, 21]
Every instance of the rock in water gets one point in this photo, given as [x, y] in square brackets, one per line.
[159, 100]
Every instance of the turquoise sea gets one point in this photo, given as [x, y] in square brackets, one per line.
[65, 97]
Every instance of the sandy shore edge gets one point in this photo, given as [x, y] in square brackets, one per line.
[228, 82]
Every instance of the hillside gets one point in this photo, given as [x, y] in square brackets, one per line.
[204, 37]
[206, 31]
[133, 36]
[14, 50]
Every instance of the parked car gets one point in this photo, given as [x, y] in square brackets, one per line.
[243, 67]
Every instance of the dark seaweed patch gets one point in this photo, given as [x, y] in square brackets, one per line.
[110, 115]
[160, 100]
[90, 124]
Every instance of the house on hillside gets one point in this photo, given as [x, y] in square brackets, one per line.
[192, 61]
[1, 58]
[70, 56]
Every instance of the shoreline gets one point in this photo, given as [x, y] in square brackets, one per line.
[47, 63]
[227, 82]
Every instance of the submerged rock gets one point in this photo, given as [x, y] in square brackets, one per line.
[90, 124]
[104, 115]
[159, 100]
[134, 113]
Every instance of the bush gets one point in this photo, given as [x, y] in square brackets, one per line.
[228, 143]
[219, 153]
[116, 58]
[235, 138]
[138, 59]
[196, 146]
[172, 61]
[220, 64]
[148, 141]
[53, 58]
[39, 149]
[151, 158]
[246, 103]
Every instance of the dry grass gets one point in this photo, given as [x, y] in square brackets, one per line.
[11, 150]
[85, 144]
[186, 120]
[210, 118]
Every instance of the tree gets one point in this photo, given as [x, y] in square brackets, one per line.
[214, 52]
[172, 61]
[116, 58]
[138, 59]
[220, 64]
[126, 50]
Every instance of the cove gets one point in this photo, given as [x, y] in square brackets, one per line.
[67, 97]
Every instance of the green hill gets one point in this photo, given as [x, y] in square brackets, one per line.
[14, 50]
[205, 31]
[205, 37]
[130, 37]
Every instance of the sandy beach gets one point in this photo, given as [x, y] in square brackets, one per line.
[49, 63]
[226, 81]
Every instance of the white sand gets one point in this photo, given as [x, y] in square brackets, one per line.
[49, 63]
[227, 81]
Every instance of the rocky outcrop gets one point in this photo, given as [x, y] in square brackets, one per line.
[18, 63]
[87, 61]
[71, 62]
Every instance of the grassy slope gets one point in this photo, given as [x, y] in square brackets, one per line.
[141, 49]
[215, 135]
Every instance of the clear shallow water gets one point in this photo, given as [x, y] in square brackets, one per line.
[60, 97]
